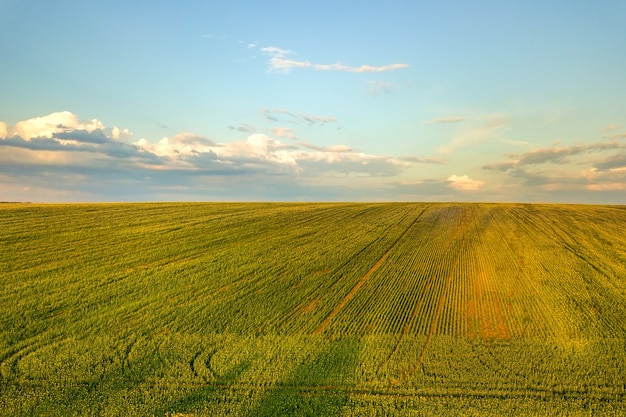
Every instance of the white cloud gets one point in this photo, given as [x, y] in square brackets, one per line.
[274, 51]
[333, 148]
[257, 146]
[338, 148]
[55, 124]
[264, 152]
[280, 62]
[439, 120]
[120, 134]
[46, 126]
[464, 183]
[178, 145]
[61, 140]
[62, 153]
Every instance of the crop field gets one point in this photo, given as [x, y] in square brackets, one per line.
[338, 309]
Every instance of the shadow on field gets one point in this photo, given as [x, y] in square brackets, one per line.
[317, 387]
[199, 398]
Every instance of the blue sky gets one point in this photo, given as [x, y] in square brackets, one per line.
[295, 101]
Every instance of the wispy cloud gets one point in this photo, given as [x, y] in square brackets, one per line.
[515, 142]
[486, 129]
[279, 61]
[381, 87]
[213, 36]
[333, 148]
[419, 160]
[615, 163]
[439, 120]
[276, 115]
[283, 132]
[553, 155]
[243, 127]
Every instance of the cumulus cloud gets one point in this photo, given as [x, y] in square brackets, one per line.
[270, 155]
[464, 183]
[61, 125]
[82, 136]
[55, 150]
[257, 146]
[59, 137]
[65, 153]
[278, 61]
[46, 126]
[54, 139]
[120, 134]
[181, 144]
[343, 163]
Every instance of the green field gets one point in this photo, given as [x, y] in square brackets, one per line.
[312, 309]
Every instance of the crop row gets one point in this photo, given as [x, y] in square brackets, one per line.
[238, 308]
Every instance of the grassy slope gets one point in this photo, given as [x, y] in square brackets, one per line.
[312, 309]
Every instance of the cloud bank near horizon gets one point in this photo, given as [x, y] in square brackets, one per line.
[59, 157]
[73, 154]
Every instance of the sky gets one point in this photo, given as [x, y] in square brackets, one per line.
[313, 101]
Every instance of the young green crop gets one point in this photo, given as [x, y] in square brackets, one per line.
[312, 309]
